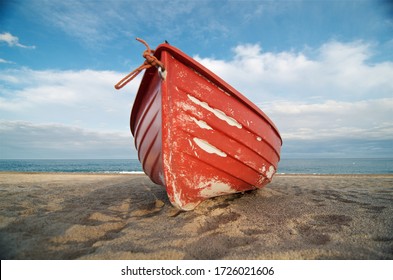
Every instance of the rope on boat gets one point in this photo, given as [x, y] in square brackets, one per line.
[150, 60]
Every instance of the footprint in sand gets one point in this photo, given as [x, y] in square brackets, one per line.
[318, 229]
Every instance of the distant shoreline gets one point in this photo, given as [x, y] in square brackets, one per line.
[127, 166]
[143, 173]
[73, 173]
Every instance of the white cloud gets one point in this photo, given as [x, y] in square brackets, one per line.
[367, 119]
[13, 41]
[6, 61]
[335, 71]
[20, 139]
[86, 97]
[65, 114]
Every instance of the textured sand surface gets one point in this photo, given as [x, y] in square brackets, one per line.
[82, 216]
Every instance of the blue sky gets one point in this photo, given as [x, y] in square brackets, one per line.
[322, 70]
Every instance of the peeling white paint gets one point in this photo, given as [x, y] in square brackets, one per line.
[219, 114]
[209, 148]
[202, 124]
[176, 197]
[182, 205]
[215, 188]
[261, 180]
[223, 91]
[187, 107]
[204, 86]
[270, 172]
[181, 74]
[259, 139]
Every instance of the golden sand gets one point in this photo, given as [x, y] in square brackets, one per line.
[101, 216]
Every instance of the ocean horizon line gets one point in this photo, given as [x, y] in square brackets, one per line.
[285, 158]
[285, 166]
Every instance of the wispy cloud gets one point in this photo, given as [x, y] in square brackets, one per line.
[64, 114]
[336, 70]
[85, 97]
[22, 139]
[6, 61]
[87, 21]
[13, 41]
[96, 23]
[370, 119]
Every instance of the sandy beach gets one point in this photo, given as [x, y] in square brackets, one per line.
[111, 216]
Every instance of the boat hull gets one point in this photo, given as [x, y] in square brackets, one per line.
[199, 137]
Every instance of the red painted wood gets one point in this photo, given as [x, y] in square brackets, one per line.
[198, 136]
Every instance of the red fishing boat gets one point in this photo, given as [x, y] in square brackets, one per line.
[195, 134]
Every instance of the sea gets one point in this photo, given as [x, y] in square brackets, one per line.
[126, 166]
